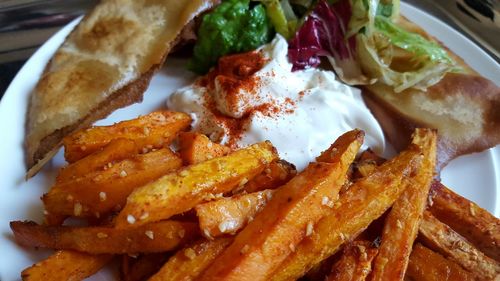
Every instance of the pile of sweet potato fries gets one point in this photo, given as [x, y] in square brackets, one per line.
[205, 212]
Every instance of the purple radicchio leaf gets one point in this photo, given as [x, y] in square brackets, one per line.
[323, 35]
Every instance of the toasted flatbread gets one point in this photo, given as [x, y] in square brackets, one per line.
[463, 107]
[105, 63]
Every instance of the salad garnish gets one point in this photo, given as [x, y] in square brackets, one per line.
[360, 39]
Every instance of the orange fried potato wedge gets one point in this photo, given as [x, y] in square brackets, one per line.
[103, 191]
[468, 219]
[190, 262]
[337, 151]
[141, 267]
[401, 225]
[355, 263]
[155, 130]
[365, 201]
[101, 159]
[155, 237]
[65, 265]
[195, 148]
[286, 219]
[444, 240]
[180, 191]
[366, 164]
[231, 214]
[276, 174]
[427, 265]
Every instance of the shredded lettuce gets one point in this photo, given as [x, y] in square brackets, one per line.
[323, 34]
[363, 45]
[388, 9]
[363, 17]
[421, 48]
[375, 57]
[431, 62]
[281, 16]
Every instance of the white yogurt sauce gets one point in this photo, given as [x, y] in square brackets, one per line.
[321, 109]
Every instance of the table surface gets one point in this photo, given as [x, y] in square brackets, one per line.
[27, 24]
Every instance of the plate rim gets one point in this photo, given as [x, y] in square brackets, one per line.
[10, 94]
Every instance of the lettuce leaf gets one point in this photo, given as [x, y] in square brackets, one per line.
[421, 48]
[282, 16]
[364, 46]
[363, 17]
[323, 34]
[431, 62]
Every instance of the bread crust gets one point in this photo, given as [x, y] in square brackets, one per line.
[457, 135]
[129, 94]
[105, 63]
[463, 107]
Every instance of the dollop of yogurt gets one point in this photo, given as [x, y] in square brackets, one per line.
[302, 113]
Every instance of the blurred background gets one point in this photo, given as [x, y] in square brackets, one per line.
[26, 24]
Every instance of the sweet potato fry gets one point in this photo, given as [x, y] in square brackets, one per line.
[155, 130]
[110, 154]
[190, 262]
[155, 237]
[195, 148]
[276, 174]
[336, 153]
[142, 267]
[286, 219]
[370, 156]
[365, 201]
[468, 219]
[427, 265]
[65, 265]
[442, 239]
[178, 192]
[229, 215]
[103, 191]
[366, 164]
[401, 225]
[355, 263]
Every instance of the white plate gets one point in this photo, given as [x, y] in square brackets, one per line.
[474, 176]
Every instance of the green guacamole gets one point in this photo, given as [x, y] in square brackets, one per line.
[233, 27]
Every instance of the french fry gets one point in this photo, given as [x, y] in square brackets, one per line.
[155, 237]
[195, 148]
[365, 201]
[179, 192]
[341, 150]
[190, 262]
[401, 225]
[103, 191]
[286, 219]
[468, 219]
[65, 265]
[366, 164]
[355, 263]
[370, 156]
[142, 267]
[229, 215]
[442, 239]
[276, 174]
[113, 152]
[427, 265]
[155, 130]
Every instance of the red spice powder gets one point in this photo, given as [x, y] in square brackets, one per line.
[234, 74]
